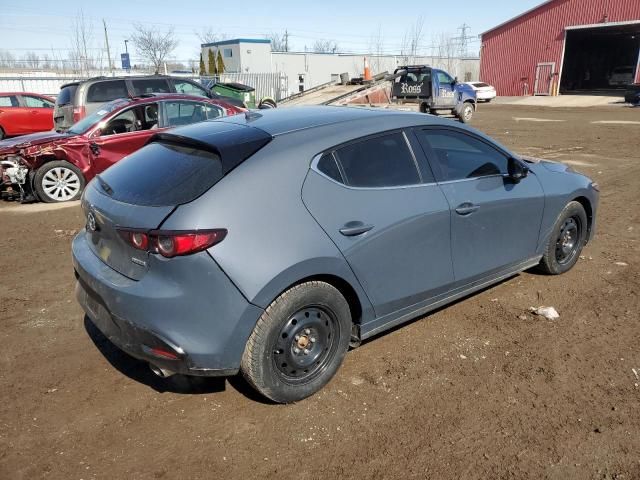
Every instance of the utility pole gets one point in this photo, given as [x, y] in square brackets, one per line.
[286, 40]
[106, 39]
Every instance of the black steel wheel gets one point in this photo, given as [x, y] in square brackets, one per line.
[566, 240]
[306, 343]
[299, 343]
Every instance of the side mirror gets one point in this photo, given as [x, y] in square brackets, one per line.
[455, 80]
[517, 171]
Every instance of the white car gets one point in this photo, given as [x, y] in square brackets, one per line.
[621, 76]
[484, 91]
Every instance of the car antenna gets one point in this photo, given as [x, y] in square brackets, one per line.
[249, 115]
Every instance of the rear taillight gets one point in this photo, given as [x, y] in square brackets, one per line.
[78, 113]
[173, 243]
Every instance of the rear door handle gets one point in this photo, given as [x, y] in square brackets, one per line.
[353, 229]
[466, 208]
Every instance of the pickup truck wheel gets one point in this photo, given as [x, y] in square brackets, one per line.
[298, 343]
[58, 181]
[466, 114]
[566, 240]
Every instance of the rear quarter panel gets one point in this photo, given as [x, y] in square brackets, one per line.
[272, 241]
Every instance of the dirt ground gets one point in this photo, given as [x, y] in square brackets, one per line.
[479, 390]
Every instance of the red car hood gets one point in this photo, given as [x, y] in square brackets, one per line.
[24, 141]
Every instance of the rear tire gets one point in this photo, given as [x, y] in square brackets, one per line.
[566, 240]
[58, 181]
[2, 134]
[298, 343]
[424, 107]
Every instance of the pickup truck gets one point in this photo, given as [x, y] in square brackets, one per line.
[434, 90]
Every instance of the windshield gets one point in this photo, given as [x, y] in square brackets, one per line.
[86, 123]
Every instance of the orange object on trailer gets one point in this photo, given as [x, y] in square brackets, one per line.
[367, 70]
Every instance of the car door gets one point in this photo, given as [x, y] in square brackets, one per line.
[11, 115]
[495, 223]
[123, 134]
[444, 91]
[40, 112]
[388, 217]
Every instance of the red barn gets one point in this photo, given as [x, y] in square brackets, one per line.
[565, 46]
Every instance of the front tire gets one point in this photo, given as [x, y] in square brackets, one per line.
[298, 343]
[466, 114]
[58, 181]
[566, 240]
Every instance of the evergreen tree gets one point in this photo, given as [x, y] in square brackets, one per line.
[212, 63]
[203, 70]
[220, 63]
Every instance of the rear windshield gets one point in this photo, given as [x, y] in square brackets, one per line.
[106, 91]
[65, 96]
[481, 85]
[162, 174]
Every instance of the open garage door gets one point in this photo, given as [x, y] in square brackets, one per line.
[600, 59]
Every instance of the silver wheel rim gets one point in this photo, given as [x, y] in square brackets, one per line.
[468, 112]
[61, 184]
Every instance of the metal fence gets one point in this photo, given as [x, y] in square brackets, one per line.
[273, 85]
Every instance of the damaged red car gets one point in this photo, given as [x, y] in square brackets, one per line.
[55, 167]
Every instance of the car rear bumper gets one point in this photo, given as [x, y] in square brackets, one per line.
[194, 311]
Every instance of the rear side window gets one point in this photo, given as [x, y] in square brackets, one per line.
[383, 161]
[8, 101]
[66, 95]
[150, 85]
[329, 167]
[184, 113]
[107, 91]
[161, 174]
[189, 88]
[461, 156]
[36, 102]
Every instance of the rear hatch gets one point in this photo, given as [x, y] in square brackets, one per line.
[63, 109]
[141, 191]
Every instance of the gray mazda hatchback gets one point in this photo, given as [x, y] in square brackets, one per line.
[268, 243]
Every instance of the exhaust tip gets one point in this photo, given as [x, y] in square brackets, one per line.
[161, 372]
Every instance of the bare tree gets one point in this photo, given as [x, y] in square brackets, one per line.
[376, 49]
[31, 60]
[81, 36]
[325, 46]
[445, 47]
[279, 43]
[7, 60]
[209, 35]
[153, 45]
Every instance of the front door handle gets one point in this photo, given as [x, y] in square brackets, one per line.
[353, 229]
[466, 208]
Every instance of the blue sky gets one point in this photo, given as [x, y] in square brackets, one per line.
[44, 26]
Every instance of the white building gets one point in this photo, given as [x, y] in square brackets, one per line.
[308, 69]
